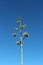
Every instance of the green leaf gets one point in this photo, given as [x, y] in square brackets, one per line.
[16, 29]
[22, 26]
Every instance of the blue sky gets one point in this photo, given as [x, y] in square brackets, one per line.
[32, 12]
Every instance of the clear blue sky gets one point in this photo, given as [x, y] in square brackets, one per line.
[32, 12]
